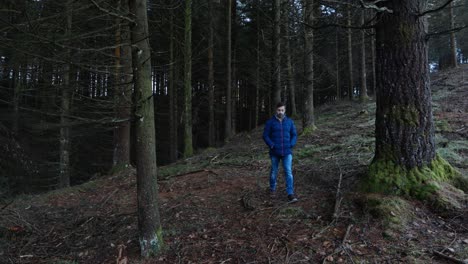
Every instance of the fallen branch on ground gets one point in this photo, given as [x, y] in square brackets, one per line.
[454, 260]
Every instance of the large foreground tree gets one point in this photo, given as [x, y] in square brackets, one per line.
[405, 159]
[149, 223]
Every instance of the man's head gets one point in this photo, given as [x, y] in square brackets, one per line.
[280, 110]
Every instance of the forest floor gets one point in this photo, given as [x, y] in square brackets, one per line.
[215, 207]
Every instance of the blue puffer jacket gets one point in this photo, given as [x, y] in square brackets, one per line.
[280, 136]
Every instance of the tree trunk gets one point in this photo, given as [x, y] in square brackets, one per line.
[16, 85]
[453, 43]
[363, 91]
[291, 83]
[149, 223]
[257, 74]
[374, 80]
[173, 120]
[235, 90]
[308, 117]
[350, 56]
[64, 166]
[228, 127]
[277, 53]
[123, 90]
[188, 147]
[337, 64]
[211, 127]
[405, 159]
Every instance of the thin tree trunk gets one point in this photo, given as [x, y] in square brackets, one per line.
[350, 56]
[337, 62]
[291, 82]
[257, 74]
[235, 90]
[228, 126]
[363, 91]
[173, 122]
[149, 223]
[453, 43]
[16, 84]
[374, 80]
[122, 95]
[211, 128]
[188, 147]
[309, 118]
[277, 53]
[64, 166]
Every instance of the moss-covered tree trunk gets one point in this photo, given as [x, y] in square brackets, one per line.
[149, 224]
[188, 147]
[308, 119]
[405, 158]
[123, 89]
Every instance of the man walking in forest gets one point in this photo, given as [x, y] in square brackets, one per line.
[280, 136]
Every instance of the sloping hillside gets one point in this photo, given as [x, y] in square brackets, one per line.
[215, 207]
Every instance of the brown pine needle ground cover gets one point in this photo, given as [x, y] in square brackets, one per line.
[215, 207]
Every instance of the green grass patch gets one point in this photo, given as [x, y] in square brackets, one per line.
[453, 151]
[442, 126]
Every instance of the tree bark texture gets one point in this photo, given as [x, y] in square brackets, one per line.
[277, 53]
[363, 90]
[404, 122]
[123, 89]
[291, 82]
[149, 223]
[64, 165]
[350, 54]
[228, 121]
[453, 43]
[308, 115]
[173, 120]
[211, 124]
[188, 147]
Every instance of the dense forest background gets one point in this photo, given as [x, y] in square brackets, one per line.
[65, 81]
[133, 128]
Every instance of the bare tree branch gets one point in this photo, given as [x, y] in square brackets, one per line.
[373, 5]
[436, 9]
[112, 13]
[445, 32]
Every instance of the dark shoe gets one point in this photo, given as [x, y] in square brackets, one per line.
[292, 198]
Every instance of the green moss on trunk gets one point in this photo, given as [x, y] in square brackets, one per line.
[386, 177]
[404, 115]
[308, 130]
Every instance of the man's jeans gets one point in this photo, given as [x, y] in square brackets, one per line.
[287, 166]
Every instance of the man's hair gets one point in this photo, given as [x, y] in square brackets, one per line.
[280, 104]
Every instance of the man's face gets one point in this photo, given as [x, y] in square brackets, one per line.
[280, 111]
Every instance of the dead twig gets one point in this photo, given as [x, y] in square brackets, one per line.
[342, 247]
[454, 260]
[338, 198]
